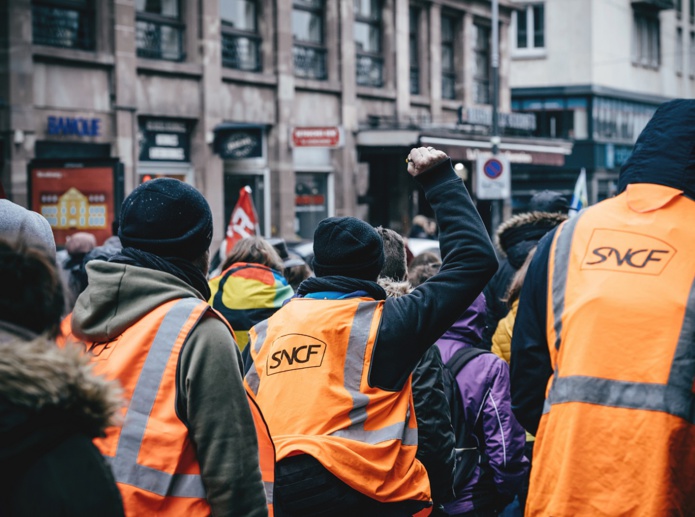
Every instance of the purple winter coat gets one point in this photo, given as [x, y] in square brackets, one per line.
[484, 385]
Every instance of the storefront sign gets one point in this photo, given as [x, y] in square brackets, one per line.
[483, 117]
[164, 140]
[317, 136]
[240, 144]
[71, 126]
[74, 199]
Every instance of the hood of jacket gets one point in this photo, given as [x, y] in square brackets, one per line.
[118, 295]
[665, 150]
[46, 390]
[519, 234]
[468, 329]
[394, 288]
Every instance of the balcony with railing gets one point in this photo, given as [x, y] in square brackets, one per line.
[159, 39]
[370, 71]
[241, 52]
[310, 62]
[62, 27]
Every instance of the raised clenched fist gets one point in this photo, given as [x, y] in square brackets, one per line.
[424, 158]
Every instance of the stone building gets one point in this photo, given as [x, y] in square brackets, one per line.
[313, 103]
[594, 72]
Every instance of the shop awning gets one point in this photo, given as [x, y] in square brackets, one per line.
[524, 151]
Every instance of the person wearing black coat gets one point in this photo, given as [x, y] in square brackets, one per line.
[514, 239]
[51, 405]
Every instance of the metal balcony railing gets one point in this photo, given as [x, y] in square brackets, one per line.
[310, 62]
[241, 52]
[159, 40]
[370, 71]
[62, 27]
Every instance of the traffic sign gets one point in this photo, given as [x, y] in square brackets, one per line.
[493, 179]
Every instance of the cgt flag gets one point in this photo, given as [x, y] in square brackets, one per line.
[244, 220]
[580, 197]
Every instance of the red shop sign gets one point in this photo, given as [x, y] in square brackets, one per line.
[331, 136]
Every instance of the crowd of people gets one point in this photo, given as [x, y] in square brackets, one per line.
[549, 374]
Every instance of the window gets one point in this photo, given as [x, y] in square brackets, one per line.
[159, 31]
[678, 6]
[311, 202]
[370, 61]
[692, 11]
[530, 27]
[482, 72]
[241, 42]
[557, 117]
[414, 53]
[68, 24]
[646, 39]
[448, 32]
[679, 51]
[691, 64]
[309, 43]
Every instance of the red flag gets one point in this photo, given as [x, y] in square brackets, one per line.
[244, 220]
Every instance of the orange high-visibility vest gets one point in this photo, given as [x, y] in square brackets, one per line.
[151, 455]
[310, 377]
[618, 432]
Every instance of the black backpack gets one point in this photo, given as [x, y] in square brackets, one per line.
[467, 452]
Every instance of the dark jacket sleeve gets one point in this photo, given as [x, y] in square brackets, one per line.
[211, 401]
[412, 323]
[530, 363]
[495, 291]
[435, 436]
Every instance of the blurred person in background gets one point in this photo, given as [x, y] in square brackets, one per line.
[514, 239]
[52, 405]
[19, 225]
[71, 267]
[250, 288]
[295, 270]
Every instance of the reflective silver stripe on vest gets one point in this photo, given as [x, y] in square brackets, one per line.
[674, 398]
[269, 488]
[252, 378]
[354, 366]
[124, 465]
[621, 394]
[563, 248]
[683, 367]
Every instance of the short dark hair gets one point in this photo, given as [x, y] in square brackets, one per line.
[395, 262]
[421, 273]
[32, 293]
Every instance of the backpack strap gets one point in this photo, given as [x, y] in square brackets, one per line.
[462, 357]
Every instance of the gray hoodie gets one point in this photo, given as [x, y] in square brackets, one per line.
[210, 394]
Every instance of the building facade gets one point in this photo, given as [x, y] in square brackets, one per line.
[594, 72]
[313, 103]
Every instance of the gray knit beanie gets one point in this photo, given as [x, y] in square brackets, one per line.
[19, 225]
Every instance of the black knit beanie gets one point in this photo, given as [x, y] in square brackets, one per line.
[166, 217]
[346, 246]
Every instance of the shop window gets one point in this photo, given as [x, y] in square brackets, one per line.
[414, 51]
[558, 117]
[529, 25]
[482, 71]
[619, 120]
[311, 202]
[646, 44]
[68, 24]
[159, 30]
[448, 35]
[309, 39]
[241, 41]
[679, 51]
[368, 35]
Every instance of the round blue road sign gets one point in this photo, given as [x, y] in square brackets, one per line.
[493, 168]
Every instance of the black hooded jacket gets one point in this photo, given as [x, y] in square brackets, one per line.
[51, 407]
[664, 155]
[514, 239]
